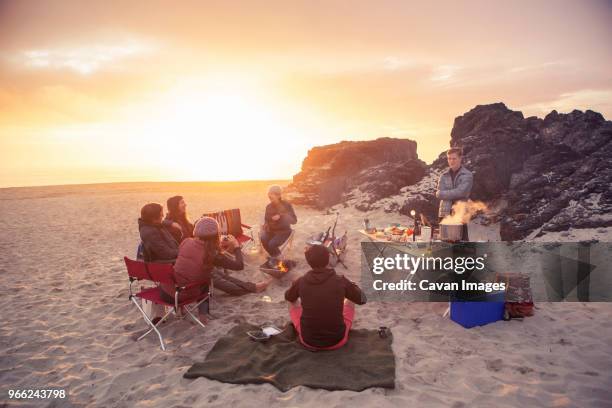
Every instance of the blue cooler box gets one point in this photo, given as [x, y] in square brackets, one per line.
[478, 313]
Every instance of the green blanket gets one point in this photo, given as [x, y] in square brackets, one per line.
[366, 361]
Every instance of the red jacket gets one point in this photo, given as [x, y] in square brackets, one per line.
[189, 268]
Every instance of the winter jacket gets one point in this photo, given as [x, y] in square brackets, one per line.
[450, 191]
[322, 293]
[287, 216]
[159, 245]
[186, 230]
[189, 268]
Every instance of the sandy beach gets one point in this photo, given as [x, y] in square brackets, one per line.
[67, 322]
[488, 123]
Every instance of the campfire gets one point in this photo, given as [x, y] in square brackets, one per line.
[282, 267]
[278, 269]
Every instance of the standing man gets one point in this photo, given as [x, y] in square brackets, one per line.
[454, 185]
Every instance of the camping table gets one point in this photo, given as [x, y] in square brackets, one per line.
[374, 240]
[381, 248]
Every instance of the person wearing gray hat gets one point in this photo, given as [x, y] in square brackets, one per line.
[202, 259]
[206, 227]
[277, 227]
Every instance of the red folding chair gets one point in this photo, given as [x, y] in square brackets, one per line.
[231, 223]
[162, 273]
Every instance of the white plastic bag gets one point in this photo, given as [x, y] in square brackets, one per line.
[153, 310]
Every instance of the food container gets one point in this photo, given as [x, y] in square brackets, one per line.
[396, 238]
[425, 233]
[451, 232]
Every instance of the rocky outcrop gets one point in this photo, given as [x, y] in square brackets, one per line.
[553, 173]
[370, 169]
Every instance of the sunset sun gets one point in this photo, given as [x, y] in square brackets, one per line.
[215, 132]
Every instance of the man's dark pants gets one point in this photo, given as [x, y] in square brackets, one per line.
[272, 240]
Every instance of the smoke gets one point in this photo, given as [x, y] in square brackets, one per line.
[463, 211]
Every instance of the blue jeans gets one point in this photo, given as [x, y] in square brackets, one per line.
[272, 240]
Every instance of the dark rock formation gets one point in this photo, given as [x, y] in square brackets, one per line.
[555, 172]
[377, 168]
[425, 203]
[495, 142]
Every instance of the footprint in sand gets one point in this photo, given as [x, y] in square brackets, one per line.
[494, 365]
[524, 370]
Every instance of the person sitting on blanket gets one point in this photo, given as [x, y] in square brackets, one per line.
[176, 219]
[199, 260]
[158, 243]
[277, 227]
[324, 318]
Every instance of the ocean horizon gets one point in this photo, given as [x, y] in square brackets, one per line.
[151, 191]
[105, 183]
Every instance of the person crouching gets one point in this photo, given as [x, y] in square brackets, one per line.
[276, 230]
[327, 309]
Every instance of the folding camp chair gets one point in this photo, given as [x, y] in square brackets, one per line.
[230, 223]
[287, 246]
[162, 273]
[140, 252]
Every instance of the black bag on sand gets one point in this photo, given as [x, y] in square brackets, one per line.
[366, 361]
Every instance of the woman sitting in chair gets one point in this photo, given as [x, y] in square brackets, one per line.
[198, 261]
[176, 219]
[277, 227]
[158, 243]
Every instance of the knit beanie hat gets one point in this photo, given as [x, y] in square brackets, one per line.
[206, 227]
[317, 256]
[275, 189]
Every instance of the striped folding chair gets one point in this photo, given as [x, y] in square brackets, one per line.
[159, 273]
[230, 223]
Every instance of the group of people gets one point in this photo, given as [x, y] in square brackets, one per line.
[321, 302]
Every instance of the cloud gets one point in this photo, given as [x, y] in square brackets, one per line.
[444, 73]
[599, 100]
[83, 60]
[395, 63]
[538, 67]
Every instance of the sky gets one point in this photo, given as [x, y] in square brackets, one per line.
[104, 91]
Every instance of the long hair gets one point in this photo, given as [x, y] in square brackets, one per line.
[173, 211]
[175, 215]
[212, 246]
